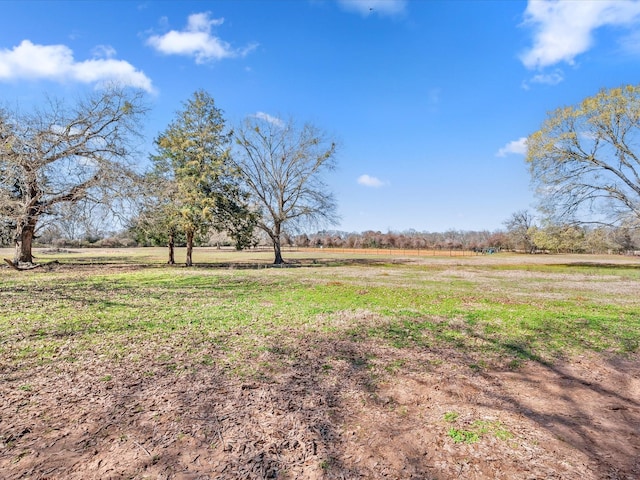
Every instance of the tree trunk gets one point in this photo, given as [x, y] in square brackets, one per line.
[277, 249]
[24, 241]
[172, 244]
[189, 261]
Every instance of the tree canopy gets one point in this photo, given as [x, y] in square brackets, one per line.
[584, 159]
[65, 153]
[282, 165]
[194, 180]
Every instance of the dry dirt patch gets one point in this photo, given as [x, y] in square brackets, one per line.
[333, 408]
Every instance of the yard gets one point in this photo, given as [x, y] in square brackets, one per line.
[114, 365]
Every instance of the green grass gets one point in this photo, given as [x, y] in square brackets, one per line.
[477, 430]
[451, 416]
[502, 312]
[463, 436]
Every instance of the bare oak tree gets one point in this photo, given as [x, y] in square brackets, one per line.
[283, 165]
[65, 153]
[584, 159]
[520, 229]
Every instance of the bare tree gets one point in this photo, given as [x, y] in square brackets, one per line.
[77, 221]
[584, 159]
[282, 165]
[65, 154]
[520, 229]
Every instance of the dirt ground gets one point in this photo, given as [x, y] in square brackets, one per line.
[340, 410]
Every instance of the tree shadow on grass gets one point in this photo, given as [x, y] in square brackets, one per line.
[290, 407]
[135, 263]
[308, 262]
[591, 265]
[594, 409]
[278, 417]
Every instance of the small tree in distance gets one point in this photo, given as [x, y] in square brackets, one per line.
[282, 165]
[520, 230]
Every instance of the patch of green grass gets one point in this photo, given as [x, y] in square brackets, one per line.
[478, 429]
[395, 365]
[451, 416]
[501, 433]
[463, 436]
[478, 366]
[325, 464]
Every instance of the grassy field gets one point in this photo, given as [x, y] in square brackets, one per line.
[235, 314]
[493, 308]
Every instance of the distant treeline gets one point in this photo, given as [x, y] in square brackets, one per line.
[534, 239]
[551, 239]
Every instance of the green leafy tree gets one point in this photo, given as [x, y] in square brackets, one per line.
[584, 159]
[560, 238]
[547, 239]
[193, 177]
[66, 153]
[282, 165]
[572, 239]
[598, 240]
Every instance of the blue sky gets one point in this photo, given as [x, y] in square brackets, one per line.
[430, 100]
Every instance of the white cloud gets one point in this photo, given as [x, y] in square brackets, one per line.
[518, 147]
[197, 41]
[104, 51]
[55, 62]
[380, 7]
[553, 78]
[563, 29]
[269, 118]
[369, 181]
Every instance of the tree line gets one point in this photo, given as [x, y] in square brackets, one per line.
[71, 160]
[71, 164]
[534, 239]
